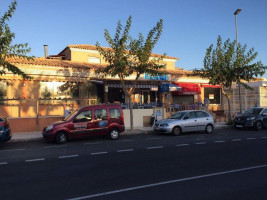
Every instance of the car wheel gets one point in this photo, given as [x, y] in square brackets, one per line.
[258, 126]
[114, 134]
[61, 138]
[209, 129]
[176, 131]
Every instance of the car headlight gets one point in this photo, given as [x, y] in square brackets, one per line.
[49, 128]
[164, 125]
[250, 118]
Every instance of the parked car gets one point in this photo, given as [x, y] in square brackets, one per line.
[93, 120]
[5, 131]
[186, 121]
[252, 118]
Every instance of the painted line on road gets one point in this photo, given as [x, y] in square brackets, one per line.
[158, 147]
[98, 153]
[168, 182]
[201, 143]
[92, 143]
[125, 150]
[49, 147]
[236, 140]
[181, 145]
[219, 141]
[251, 138]
[35, 160]
[12, 150]
[3, 163]
[264, 137]
[70, 156]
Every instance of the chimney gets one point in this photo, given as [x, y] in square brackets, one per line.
[45, 50]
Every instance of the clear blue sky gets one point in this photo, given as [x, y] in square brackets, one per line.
[190, 26]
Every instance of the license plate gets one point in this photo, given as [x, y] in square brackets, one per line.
[157, 128]
[239, 126]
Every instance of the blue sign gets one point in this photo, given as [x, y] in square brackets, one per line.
[158, 78]
[164, 88]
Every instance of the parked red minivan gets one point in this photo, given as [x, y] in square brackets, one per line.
[87, 121]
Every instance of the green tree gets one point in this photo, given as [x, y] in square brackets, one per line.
[224, 65]
[7, 49]
[131, 57]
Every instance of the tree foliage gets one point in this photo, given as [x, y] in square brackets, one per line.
[131, 57]
[224, 65]
[7, 49]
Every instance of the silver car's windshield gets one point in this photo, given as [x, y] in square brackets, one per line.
[177, 115]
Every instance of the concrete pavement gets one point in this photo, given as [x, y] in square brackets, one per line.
[29, 136]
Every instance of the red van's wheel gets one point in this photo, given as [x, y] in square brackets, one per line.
[114, 134]
[61, 138]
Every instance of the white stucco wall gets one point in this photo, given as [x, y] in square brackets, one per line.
[138, 115]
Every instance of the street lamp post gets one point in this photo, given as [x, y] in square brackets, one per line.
[239, 86]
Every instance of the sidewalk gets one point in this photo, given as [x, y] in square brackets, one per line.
[30, 136]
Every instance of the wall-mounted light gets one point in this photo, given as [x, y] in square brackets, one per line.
[23, 84]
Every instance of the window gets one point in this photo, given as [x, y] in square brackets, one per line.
[264, 112]
[114, 113]
[101, 114]
[3, 89]
[213, 94]
[94, 60]
[84, 116]
[59, 90]
[191, 115]
[201, 114]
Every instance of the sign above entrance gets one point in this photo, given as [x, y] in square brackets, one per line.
[158, 78]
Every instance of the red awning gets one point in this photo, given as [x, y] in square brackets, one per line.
[188, 89]
[210, 86]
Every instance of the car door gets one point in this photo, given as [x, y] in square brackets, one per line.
[190, 122]
[100, 123]
[264, 116]
[82, 124]
[202, 120]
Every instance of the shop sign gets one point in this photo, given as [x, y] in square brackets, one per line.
[158, 78]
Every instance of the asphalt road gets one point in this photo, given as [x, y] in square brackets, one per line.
[229, 164]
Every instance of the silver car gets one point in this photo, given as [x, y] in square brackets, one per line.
[185, 121]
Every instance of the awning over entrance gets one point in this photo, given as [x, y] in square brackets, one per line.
[187, 89]
[210, 86]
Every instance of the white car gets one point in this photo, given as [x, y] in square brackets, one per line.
[186, 121]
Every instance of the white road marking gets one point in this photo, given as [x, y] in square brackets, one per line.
[93, 143]
[181, 145]
[251, 138]
[264, 137]
[236, 140]
[70, 156]
[201, 143]
[3, 163]
[125, 150]
[55, 146]
[97, 153]
[167, 182]
[219, 141]
[35, 160]
[158, 147]
[12, 150]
